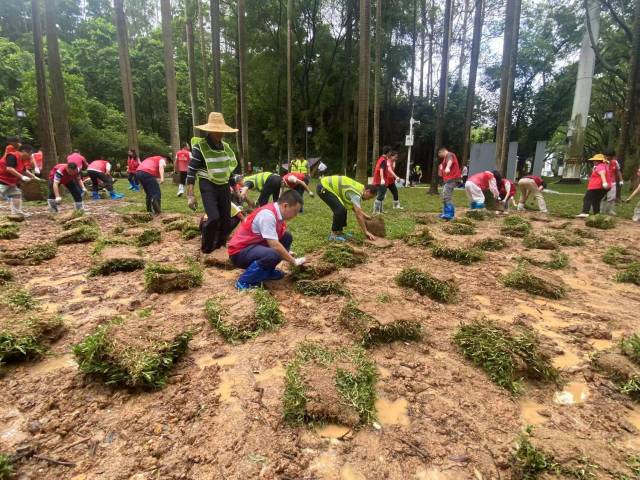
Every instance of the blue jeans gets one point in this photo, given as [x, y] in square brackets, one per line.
[266, 257]
[151, 189]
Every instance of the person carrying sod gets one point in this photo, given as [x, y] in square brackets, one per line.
[267, 183]
[212, 162]
[614, 179]
[14, 166]
[449, 170]
[132, 165]
[150, 174]
[532, 185]
[477, 184]
[508, 190]
[300, 165]
[296, 181]
[262, 241]
[181, 166]
[66, 174]
[100, 171]
[636, 211]
[339, 193]
[597, 187]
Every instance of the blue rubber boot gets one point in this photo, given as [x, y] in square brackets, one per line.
[136, 188]
[132, 186]
[95, 196]
[275, 274]
[452, 210]
[115, 195]
[443, 215]
[252, 277]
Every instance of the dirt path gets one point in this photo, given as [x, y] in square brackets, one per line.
[220, 414]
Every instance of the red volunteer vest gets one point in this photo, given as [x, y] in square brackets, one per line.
[377, 180]
[288, 176]
[67, 177]
[78, 159]
[37, 159]
[150, 165]
[98, 166]
[481, 179]
[538, 180]
[245, 237]
[512, 188]
[454, 173]
[6, 177]
[132, 164]
[182, 160]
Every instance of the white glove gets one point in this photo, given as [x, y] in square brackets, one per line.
[58, 199]
[37, 170]
[605, 185]
[447, 171]
[621, 182]
[299, 261]
[24, 178]
[311, 194]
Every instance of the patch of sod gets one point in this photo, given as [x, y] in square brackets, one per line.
[5, 275]
[490, 244]
[164, 278]
[619, 256]
[621, 369]
[532, 240]
[479, 215]
[9, 231]
[559, 226]
[82, 234]
[535, 282]
[313, 270]
[556, 261]
[65, 217]
[506, 357]
[515, 226]
[104, 242]
[459, 227]
[257, 311]
[370, 331]
[602, 222]
[343, 255]
[631, 274]
[134, 218]
[426, 219]
[324, 385]
[33, 254]
[630, 347]
[18, 299]
[423, 283]
[529, 462]
[566, 239]
[461, 255]
[423, 238]
[79, 221]
[376, 226]
[189, 232]
[6, 467]
[147, 237]
[315, 288]
[130, 353]
[583, 233]
[185, 226]
[113, 265]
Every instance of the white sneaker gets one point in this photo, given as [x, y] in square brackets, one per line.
[582, 215]
[180, 191]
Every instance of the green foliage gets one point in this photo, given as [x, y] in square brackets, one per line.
[27, 336]
[114, 265]
[33, 254]
[584, 233]
[135, 218]
[602, 222]
[631, 387]
[343, 256]
[461, 255]
[427, 285]
[614, 255]
[459, 227]
[147, 237]
[631, 274]
[79, 221]
[523, 279]
[164, 278]
[529, 462]
[630, 346]
[354, 378]
[189, 232]
[5, 275]
[19, 300]
[321, 288]
[506, 357]
[82, 234]
[423, 238]
[490, 244]
[6, 467]
[9, 231]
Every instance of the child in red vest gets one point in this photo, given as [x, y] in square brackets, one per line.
[297, 181]
[99, 171]
[181, 166]
[507, 193]
[477, 184]
[132, 165]
[384, 178]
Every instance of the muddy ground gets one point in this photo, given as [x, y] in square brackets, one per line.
[220, 415]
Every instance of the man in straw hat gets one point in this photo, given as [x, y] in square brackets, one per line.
[597, 187]
[213, 162]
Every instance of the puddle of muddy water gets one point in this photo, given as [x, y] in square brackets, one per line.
[567, 360]
[332, 430]
[529, 412]
[207, 360]
[573, 393]
[52, 364]
[393, 412]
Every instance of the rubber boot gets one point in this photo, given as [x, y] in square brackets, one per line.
[396, 205]
[275, 274]
[79, 205]
[115, 195]
[155, 206]
[16, 206]
[53, 206]
[95, 195]
[377, 207]
[131, 185]
[252, 277]
[443, 215]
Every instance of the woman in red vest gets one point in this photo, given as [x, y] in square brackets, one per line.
[99, 171]
[297, 181]
[132, 165]
[13, 170]
[150, 174]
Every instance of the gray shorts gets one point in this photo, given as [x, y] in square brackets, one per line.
[10, 191]
[448, 188]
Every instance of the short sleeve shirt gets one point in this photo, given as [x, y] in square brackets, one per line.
[355, 199]
[265, 224]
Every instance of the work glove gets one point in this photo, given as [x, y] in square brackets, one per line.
[447, 171]
[311, 194]
[192, 203]
[621, 182]
[58, 200]
[605, 185]
[24, 178]
[299, 261]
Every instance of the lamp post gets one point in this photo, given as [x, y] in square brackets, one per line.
[608, 118]
[409, 143]
[20, 115]
[306, 140]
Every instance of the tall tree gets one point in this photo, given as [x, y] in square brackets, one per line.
[363, 90]
[126, 78]
[432, 26]
[509, 61]
[242, 57]
[463, 41]
[290, 152]
[423, 32]
[45, 125]
[442, 95]
[473, 72]
[191, 62]
[59, 111]
[170, 74]
[347, 87]
[203, 58]
[377, 75]
[214, 7]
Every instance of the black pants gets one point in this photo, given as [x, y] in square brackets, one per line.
[339, 212]
[74, 190]
[592, 199]
[97, 177]
[618, 191]
[132, 179]
[217, 203]
[271, 188]
[183, 178]
[152, 191]
[382, 192]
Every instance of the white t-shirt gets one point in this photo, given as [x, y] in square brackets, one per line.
[265, 224]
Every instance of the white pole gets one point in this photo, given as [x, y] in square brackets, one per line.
[409, 152]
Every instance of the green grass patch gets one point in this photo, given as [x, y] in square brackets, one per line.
[459, 227]
[258, 312]
[9, 231]
[490, 244]
[33, 254]
[566, 239]
[515, 226]
[190, 232]
[6, 467]
[584, 233]
[324, 385]
[535, 283]
[423, 238]
[164, 278]
[82, 234]
[426, 219]
[312, 270]
[602, 222]
[185, 226]
[557, 261]
[115, 265]
[147, 237]
[506, 357]
[131, 353]
[343, 255]
[135, 218]
[631, 274]
[540, 242]
[529, 462]
[384, 298]
[104, 242]
[425, 284]
[461, 255]
[5, 275]
[630, 347]
[321, 288]
[79, 222]
[479, 215]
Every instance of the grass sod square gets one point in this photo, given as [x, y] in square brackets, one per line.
[429, 286]
[506, 357]
[556, 260]
[34, 254]
[541, 242]
[584, 233]
[6, 467]
[133, 354]
[313, 270]
[423, 238]
[479, 215]
[600, 221]
[185, 226]
[630, 347]
[105, 242]
[9, 231]
[245, 316]
[461, 255]
[620, 257]
[116, 259]
[189, 232]
[621, 368]
[459, 227]
[343, 255]
[631, 274]
[376, 226]
[81, 234]
[5, 275]
[566, 239]
[371, 331]
[147, 237]
[79, 222]
[327, 385]
[515, 226]
[535, 281]
[135, 218]
[165, 278]
[321, 288]
[490, 244]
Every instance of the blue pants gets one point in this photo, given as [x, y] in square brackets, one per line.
[266, 257]
[74, 190]
[151, 189]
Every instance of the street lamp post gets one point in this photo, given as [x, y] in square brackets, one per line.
[306, 140]
[409, 143]
[20, 115]
[608, 118]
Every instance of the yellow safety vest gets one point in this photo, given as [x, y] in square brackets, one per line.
[258, 180]
[299, 165]
[342, 187]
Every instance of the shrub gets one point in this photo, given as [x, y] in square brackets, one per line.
[463, 256]
[535, 283]
[343, 255]
[603, 222]
[164, 278]
[531, 240]
[490, 244]
[631, 274]
[321, 288]
[426, 285]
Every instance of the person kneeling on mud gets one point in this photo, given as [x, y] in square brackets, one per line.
[479, 183]
[262, 241]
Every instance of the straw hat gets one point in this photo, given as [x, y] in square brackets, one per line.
[216, 124]
[598, 158]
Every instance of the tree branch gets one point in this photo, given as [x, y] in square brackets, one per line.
[594, 45]
[619, 20]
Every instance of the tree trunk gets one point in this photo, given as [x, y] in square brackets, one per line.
[463, 41]
[290, 152]
[413, 53]
[125, 75]
[473, 72]
[170, 74]
[242, 56]
[346, 104]
[214, 7]
[59, 111]
[432, 26]
[203, 59]
[363, 90]
[376, 84]
[423, 30]
[193, 75]
[442, 96]
[509, 61]
[45, 125]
